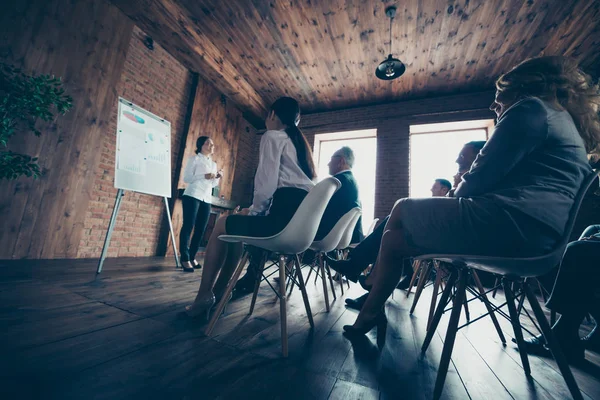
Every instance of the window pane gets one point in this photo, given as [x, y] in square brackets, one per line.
[433, 156]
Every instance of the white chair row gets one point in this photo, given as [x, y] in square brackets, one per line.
[293, 240]
[337, 239]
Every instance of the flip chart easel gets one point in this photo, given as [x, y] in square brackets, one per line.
[142, 164]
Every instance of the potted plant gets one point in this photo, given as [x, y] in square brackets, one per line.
[23, 100]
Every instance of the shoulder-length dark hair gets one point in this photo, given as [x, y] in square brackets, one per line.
[200, 143]
[288, 112]
[559, 81]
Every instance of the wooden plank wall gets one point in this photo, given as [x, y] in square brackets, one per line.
[214, 116]
[85, 42]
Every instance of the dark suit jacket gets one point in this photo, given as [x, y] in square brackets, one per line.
[345, 199]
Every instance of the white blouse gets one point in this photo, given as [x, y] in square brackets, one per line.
[277, 167]
[198, 186]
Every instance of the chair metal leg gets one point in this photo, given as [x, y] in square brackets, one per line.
[488, 305]
[257, 283]
[467, 314]
[303, 291]
[221, 306]
[324, 280]
[330, 280]
[496, 283]
[310, 271]
[290, 272]
[514, 319]
[416, 268]
[451, 333]
[425, 271]
[436, 288]
[283, 306]
[563, 365]
[439, 310]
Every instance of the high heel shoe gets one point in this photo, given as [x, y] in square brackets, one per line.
[187, 266]
[226, 304]
[201, 307]
[380, 321]
[196, 264]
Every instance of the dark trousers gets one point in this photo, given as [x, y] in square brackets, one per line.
[195, 217]
[576, 286]
[368, 250]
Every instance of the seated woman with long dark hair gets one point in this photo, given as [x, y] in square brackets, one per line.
[516, 198]
[283, 178]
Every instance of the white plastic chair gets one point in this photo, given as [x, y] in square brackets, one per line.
[330, 243]
[295, 238]
[345, 243]
[513, 270]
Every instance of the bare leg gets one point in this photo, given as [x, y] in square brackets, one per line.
[216, 253]
[234, 253]
[388, 268]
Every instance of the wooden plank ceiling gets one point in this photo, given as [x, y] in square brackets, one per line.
[324, 52]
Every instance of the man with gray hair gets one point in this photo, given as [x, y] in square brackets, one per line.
[346, 198]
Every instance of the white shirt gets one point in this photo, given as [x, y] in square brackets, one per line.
[277, 167]
[198, 186]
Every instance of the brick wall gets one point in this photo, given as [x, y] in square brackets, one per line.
[154, 80]
[392, 122]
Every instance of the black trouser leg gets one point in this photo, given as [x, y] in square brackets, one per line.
[199, 227]
[190, 210]
[368, 249]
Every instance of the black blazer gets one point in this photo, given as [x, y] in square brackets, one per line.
[345, 199]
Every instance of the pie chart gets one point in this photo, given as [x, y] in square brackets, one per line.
[132, 117]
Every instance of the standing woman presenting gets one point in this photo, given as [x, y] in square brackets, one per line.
[201, 176]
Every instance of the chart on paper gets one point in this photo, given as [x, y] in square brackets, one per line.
[143, 156]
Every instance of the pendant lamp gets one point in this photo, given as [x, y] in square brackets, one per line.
[391, 68]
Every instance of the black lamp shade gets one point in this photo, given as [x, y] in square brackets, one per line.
[389, 69]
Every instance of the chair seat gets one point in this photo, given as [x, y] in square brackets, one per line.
[524, 267]
[270, 243]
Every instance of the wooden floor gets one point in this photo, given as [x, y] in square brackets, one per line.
[66, 334]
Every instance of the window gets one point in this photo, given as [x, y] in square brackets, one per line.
[364, 145]
[434, 149]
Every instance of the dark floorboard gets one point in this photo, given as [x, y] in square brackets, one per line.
[67, 334]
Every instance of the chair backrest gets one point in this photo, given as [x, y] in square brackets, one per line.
[300, 232]
[347, 236]
[524, 266]
[330, 242]
[372, 227]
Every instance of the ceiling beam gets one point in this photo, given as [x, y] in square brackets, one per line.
[174, 28]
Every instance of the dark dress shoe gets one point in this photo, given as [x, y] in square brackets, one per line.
[187, 266]
[351, 269]
[535, 345]
[357, 303]
[196, 264]
[573, 350]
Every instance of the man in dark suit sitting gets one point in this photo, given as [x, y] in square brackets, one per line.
[346, 198]
[342, 201]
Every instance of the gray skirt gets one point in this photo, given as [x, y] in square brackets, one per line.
[476, 226]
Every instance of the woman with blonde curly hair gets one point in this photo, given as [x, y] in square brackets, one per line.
[516, 198]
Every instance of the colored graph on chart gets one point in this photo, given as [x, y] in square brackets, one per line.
[131, 153]
[133, 117]
[158, 148]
